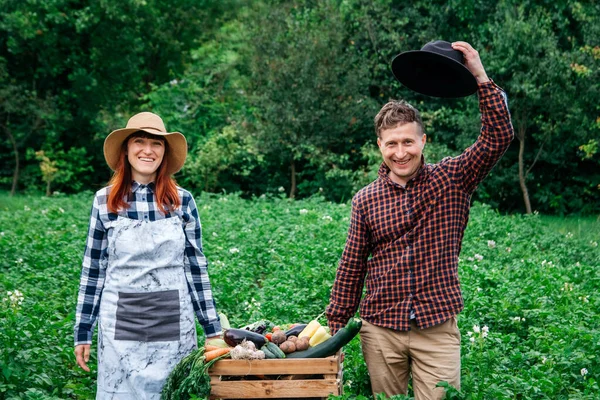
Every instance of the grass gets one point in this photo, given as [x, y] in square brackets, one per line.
[526, 278]
[584, 228]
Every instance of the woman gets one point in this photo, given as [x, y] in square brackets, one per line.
[144, 272]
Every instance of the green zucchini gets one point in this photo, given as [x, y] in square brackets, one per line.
[273, 348]
[268, 354]
[333, 344]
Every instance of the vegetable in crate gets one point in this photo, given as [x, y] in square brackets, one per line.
[295, 331]
[260, 327]
[247, 351]
[190, 376]
[333, 344]
[302, 344]
[310, 329]
[319, 336]
[278, 337]
[287, 347]
[273, 348]
[233, 337]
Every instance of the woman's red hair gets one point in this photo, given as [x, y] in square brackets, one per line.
[165, 191]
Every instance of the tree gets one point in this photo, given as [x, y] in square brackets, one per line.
[548, 101]
[306, 84]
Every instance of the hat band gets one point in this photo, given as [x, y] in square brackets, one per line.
[152, 128]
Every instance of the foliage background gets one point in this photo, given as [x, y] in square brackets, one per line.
[282, 93]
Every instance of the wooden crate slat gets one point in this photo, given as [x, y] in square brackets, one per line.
[274, 389]
[311, 366]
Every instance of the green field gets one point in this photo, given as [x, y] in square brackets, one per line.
[533, 281]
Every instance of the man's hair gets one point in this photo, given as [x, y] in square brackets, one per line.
[396, 113]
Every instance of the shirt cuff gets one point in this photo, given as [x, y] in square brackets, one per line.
[83, 337]
[486, 89]
[213, 329]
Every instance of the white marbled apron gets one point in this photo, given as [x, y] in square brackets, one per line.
[146, 320]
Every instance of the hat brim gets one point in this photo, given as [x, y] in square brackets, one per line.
[176, 141]
[433, 74]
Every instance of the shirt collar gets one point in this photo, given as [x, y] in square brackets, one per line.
[135, 186]
[384, 174]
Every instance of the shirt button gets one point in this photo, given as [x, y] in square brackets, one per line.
[145, 217]
[143, 198]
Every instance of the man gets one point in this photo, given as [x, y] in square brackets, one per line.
[404, 240]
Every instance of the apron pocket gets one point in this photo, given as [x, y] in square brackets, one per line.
[148, 317]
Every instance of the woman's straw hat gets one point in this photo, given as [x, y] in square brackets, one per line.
[153, 124]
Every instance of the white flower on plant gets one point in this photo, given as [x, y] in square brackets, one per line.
[485, 329]
[491, 244]
[476, 329]
[271, 251]
[44, 212]
[19, 261]
[567, 287]
[61, 210]
[303, 211]
[173, 82]
[544, 359]
[472, 339]
[478, 257]
[569, 235]
[281, 189]
[14, 298]
[577, 264]
[234, 250]
[223, 199]
[470, 259]
[469, 334]
[508, 249]
[1, 233]
[584, 371]
[475, 267]
[215, 234]
[584, 299]
[26, 208]
[479, 289]
[327, 218]
[594, 244]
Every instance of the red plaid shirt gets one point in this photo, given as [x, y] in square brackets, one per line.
[413, 234]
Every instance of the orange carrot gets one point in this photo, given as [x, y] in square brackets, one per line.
[211, 355]
[208, 348]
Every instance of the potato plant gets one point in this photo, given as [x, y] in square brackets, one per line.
[529, 329]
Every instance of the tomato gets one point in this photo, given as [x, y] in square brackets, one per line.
[268, 336]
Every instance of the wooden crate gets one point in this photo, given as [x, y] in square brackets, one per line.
[276, 379]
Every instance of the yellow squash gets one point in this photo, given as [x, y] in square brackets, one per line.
[319, 337]
[310, 329]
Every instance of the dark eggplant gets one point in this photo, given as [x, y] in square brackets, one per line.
[295, 331]
[233, 337]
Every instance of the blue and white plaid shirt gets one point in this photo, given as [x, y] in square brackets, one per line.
[143, 206]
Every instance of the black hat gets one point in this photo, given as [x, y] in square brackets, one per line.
[436, 70]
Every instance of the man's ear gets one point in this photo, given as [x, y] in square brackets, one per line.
[424, 140]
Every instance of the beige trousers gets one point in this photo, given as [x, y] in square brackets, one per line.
[431, 355]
